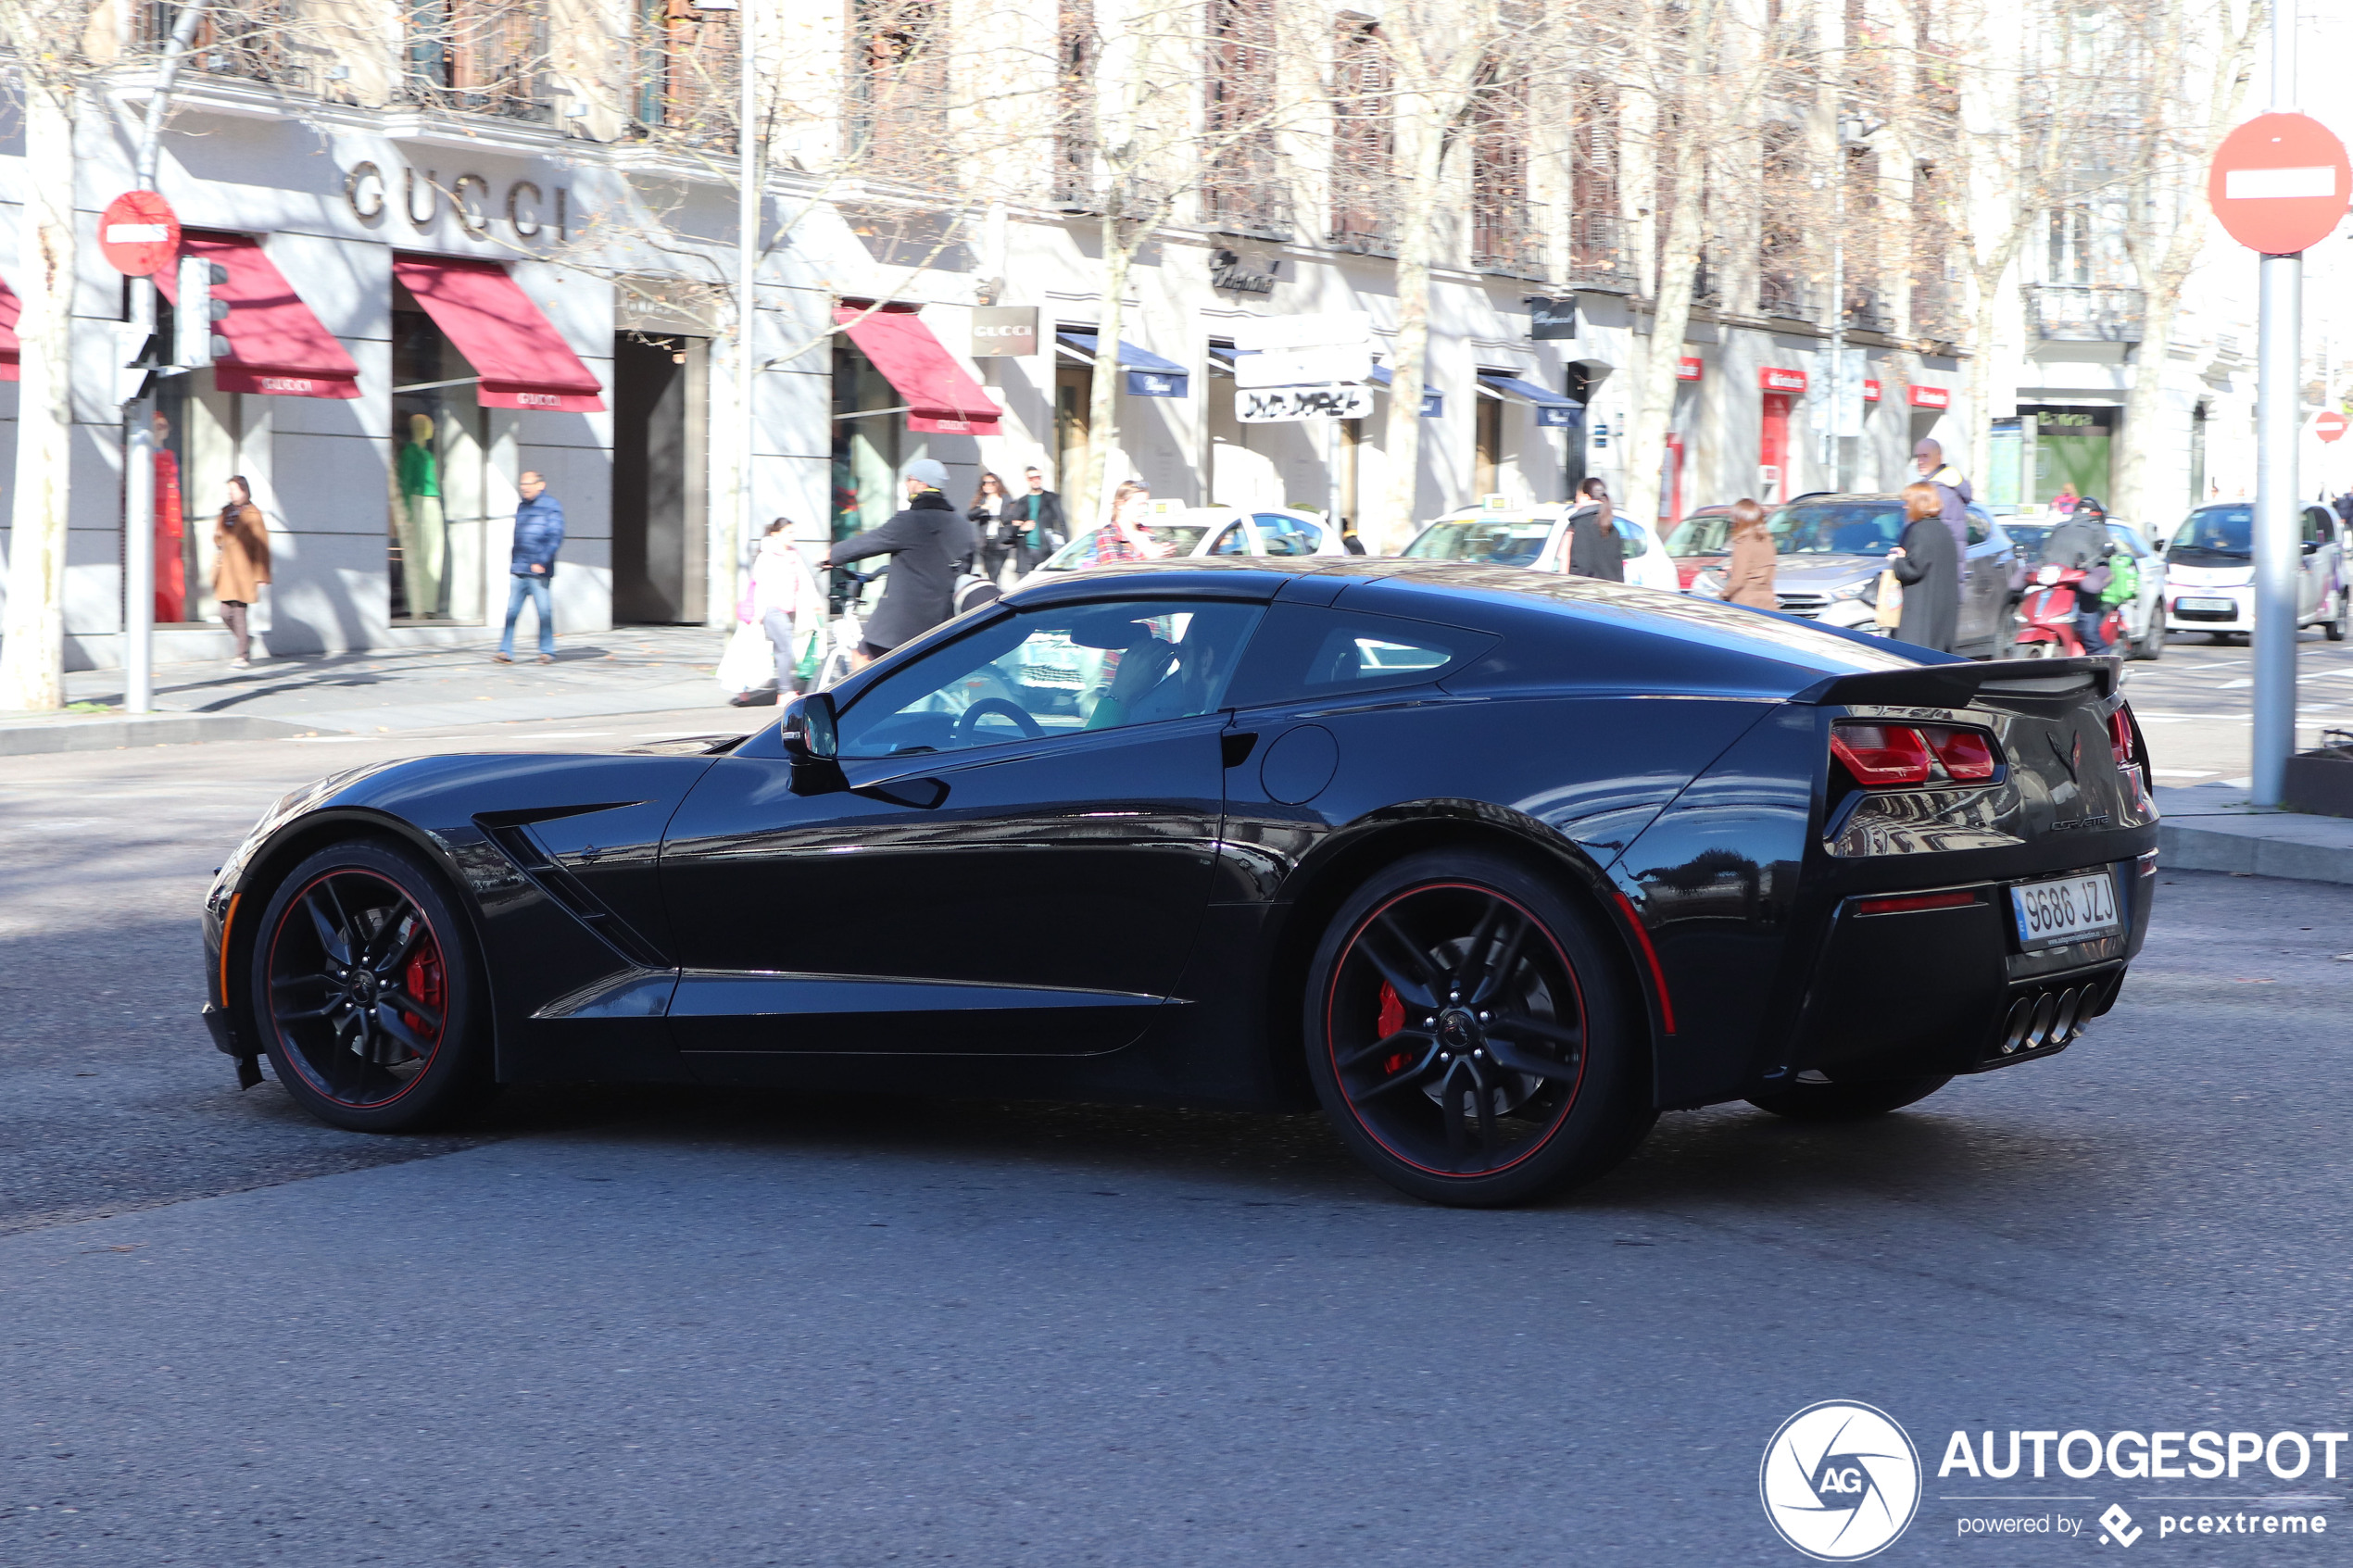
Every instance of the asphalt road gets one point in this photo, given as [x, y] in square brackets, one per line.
[633, 1329]
[2194, 703]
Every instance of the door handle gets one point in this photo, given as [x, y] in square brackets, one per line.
[1236, 745]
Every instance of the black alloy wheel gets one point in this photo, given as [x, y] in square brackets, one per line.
[1469, 1037]
[364, 992]
[1826, 1101]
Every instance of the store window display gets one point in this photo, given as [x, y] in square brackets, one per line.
[422, 529]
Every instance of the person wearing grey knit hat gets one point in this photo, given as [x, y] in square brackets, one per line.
[930, 544]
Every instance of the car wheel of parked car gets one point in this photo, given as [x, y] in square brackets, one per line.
[1848, 1102]
[363, 989]
[2337, 623]
[1471, 1035]
[2152, 642]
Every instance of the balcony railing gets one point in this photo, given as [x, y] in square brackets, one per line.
[1509, 241]
[2086, 313]
[1598, 255]
[244, 39]
[1779, 295]
[1867, 312]
[1364, 233]
[1247, 201]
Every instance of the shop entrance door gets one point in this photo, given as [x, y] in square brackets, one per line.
[658, 463]
[1074, 393]
[1772, 451]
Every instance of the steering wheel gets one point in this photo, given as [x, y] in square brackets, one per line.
[970, 720]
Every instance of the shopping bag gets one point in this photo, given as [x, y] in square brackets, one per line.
[748, 664]
[1889, 610]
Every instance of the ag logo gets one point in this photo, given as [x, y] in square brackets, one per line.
[1839, 1481]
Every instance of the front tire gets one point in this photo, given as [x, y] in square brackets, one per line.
[365, 992]
[2338, 623]
[1848, 1102]
[1469, 1036]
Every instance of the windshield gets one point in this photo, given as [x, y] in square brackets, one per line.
[1844, 528]
[2028, 537]
[1087, 550]
[1496, 542]
[1702, 536]
[2216, 533]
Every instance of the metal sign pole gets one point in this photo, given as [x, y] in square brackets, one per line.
[2276, 532]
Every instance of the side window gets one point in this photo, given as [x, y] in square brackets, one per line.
[1303, 652]
[1057, 670]
[2316, 526]
[1634, 542]
[1283, 536]
[1234, 541]
[1978, 529]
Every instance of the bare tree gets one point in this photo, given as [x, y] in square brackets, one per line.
[2200, 58]
[46, 44]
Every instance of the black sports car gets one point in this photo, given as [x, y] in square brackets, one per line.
[1495, 865]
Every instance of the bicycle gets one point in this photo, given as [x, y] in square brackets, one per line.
[838, 641]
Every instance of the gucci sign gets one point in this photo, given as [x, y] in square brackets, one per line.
[529, 211]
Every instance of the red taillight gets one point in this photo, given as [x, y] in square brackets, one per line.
[1967, 754]
[1899, 756]
[2119, 735]
[1881, 755]
[1907, 903]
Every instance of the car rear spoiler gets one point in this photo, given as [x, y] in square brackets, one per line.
[1956, 686]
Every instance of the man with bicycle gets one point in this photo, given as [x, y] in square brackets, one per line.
[930, 545]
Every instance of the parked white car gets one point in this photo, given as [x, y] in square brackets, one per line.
[1537, 537]
[1216, 531]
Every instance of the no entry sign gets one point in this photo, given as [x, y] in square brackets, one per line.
[2329, 426]
[2279, 183]
[138, 233]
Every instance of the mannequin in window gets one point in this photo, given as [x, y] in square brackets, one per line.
[423, 536]
[171, 531]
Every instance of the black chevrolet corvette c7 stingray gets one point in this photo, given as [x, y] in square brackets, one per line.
[1493, 866]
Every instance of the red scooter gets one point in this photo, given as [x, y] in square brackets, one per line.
[2047, 616]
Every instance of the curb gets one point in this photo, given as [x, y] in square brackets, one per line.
[36, 737]
[2274, 844]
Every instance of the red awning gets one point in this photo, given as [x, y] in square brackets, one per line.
[522, 360]
[276, 345]
[10, 306]
[940, 397]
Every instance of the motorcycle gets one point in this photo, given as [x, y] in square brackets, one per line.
[2047, 616]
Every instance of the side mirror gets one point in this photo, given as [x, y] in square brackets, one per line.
[807, 732]
[807, 735]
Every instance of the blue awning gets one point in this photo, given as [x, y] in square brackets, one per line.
[1552, 408]
[1433, 402]
[1149, 375]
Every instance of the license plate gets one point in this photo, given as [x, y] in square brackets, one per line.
[2067, 909]
[2187, 603]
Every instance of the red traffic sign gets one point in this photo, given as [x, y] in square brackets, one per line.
[139, 234]
[2279, 183]
[2330, 425]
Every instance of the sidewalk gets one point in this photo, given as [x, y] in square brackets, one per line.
[2212, 828]
[630, 669]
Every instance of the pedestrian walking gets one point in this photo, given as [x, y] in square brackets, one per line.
[930, 544]
[991, 515]
[2344, 509]
[241, 565]
[1595, 548]
[1928, 563]
[1953, 494]
[539, 534]
[1042, 531]
[782, 599]
[1748, 571]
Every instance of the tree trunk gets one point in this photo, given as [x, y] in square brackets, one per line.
[32, 642]
[1679, 261]
[1091, 507]
[1421, 161]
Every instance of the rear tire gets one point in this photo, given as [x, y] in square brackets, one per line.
[1848, 1102]
[1471, 1035]
[2151, 643]
[364, 989]
[2338, 623]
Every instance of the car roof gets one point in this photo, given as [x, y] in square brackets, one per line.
[1778, 652]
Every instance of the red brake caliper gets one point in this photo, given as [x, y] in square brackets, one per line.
[1392, 1018]
[424, 982]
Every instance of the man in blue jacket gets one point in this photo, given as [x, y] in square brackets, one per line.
[539, 534]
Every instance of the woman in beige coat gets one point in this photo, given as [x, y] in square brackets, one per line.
[1748, 574]
[241, 564]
